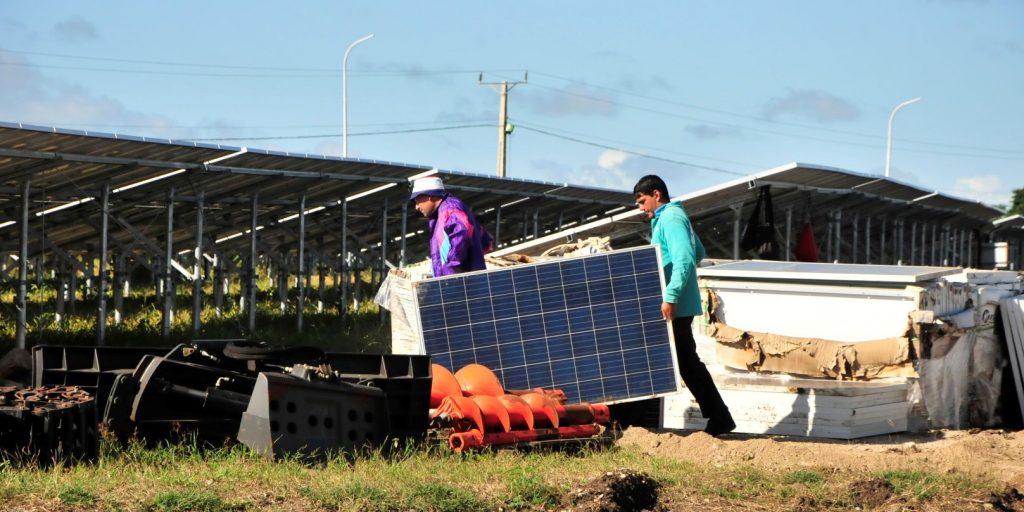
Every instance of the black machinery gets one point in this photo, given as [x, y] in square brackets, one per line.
[294, 400]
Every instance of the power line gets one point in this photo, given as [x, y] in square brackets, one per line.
[744, 116]
[636, 153]
[330, 135]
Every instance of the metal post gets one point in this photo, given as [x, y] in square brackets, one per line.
[737, 211]
[197, 276]
[913, 241]
[383, 251]
[119, 279]
[168, 310]
[101, 319]
[73, 290]
[343, 306]
[536, 223]
[899, 243]
[251, 274]
[219, 284]
[970, 248]
[299, 277]
[839, 237]
[828, 236]
[934, 237]
[320, 272]
[22, 301]
[945, 245]
[405, 227]
[497, 228]
[958, 235]
[867, 240]
[856, 237]
[62, 290]
[789, 230]
[881, 242]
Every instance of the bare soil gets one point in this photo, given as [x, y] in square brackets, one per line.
[995, 455]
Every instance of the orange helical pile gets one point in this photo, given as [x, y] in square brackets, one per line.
[477, 379]
[443, 384]
[476, 406]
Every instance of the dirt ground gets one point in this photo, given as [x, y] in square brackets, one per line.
[994, 454]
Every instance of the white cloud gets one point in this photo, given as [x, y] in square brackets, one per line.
[27, 96]
[809, 104]
[987, 189]
[611, 159]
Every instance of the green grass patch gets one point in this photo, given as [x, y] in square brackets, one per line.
[75, 496]
[190, 501]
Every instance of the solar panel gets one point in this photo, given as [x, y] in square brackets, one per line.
[590, 326]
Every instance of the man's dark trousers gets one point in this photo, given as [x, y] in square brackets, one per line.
[695, 375]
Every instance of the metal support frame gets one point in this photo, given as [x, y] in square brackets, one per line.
[856, 237]
[789, 230]
[737, 218]
[220, 284]
[913, 242]
[899, 242]
[321, 274]
[119, 280]
[882, 241]
[839, 235]
[343, 305]
[101, 297]
[536, 223]
[383, 249]
[497, 228]
[251, 274]
[405, 233]
[299, 277]
[62, 290]
[22, 299]
[168, 307]
[935, 244]
[867, 240]
[970, 248]
[197, 273]
[829, 228]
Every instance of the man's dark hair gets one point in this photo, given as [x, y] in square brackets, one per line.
[648, 184]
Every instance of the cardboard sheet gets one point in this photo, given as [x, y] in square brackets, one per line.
[813, 357]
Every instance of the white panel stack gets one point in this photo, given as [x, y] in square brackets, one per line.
[800, 407]
[1012, 309]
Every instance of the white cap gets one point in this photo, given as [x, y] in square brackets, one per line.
[429, 186]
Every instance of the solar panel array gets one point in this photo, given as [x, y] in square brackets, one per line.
[590, 326]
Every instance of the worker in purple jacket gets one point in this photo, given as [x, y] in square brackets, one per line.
[457, 241]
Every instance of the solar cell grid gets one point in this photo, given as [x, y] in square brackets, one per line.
[590, 326]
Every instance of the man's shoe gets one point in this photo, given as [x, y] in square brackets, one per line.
[719, 426]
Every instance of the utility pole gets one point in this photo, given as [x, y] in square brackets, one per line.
[504, 128]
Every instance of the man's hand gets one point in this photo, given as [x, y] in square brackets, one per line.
[668, 311]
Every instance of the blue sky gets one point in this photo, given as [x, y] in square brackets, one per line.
[698, 92]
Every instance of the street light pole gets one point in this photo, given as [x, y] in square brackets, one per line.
[888, 146]
[344, 95]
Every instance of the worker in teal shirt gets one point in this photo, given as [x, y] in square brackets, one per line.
[681, 251]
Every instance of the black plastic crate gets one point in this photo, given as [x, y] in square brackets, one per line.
[405, 379]
[90, 368]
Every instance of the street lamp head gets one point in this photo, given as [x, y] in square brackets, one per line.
[344, 94]
[888, 145]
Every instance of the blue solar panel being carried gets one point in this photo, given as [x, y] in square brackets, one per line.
[590, 325]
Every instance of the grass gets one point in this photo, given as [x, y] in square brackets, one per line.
[189, 477]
